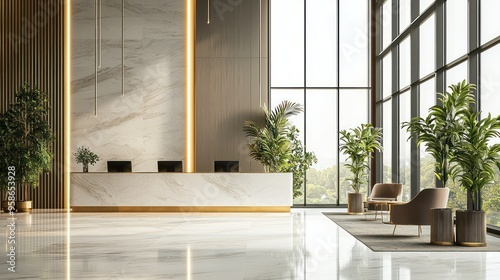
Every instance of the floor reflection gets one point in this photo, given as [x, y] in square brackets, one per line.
[303, 244]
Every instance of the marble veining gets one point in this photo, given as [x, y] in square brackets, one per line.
[146, 124]
[181, 189]
[303, 244]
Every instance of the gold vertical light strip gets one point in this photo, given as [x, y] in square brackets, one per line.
[67, 103]
[67, 130]
[190, 26]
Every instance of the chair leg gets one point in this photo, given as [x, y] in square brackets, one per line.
[394, 230]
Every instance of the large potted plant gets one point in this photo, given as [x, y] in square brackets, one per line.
[475, 161]
[358, 145]
[26, 137]
[85, 156]
[276, 144]
[439, 131]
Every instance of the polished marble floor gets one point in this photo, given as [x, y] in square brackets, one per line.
[303, 244]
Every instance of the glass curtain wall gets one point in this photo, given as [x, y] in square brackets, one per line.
[489, 87]
[319, 57]
[439, 43]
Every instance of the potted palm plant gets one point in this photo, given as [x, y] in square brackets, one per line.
[475, 161]
[85, 156]
[358, 145]
[276, 145]
[439, 131]
[26, 137]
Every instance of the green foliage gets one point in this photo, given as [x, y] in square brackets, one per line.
[299, 161]
[490, 196]
[271, 145]
[277, 146]
[439, 131]
[26, 137]
[85, 156]
[459, 141]
[427, 172]
[457, 199]
[475, 159]
[358, 145]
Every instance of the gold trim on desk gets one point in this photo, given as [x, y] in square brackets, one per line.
[214, 209]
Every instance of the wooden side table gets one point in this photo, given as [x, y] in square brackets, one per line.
[379, 207]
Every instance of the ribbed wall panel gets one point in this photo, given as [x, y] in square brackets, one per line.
[227, 80]
[32, 50]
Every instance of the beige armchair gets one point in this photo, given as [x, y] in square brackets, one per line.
[381, 193]
[417, 211]
[386, 191]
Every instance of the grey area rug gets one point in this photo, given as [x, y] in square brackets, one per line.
[378, 236]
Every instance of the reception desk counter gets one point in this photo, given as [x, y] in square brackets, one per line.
[181, 192]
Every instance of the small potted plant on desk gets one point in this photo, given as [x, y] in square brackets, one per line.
[85, 156]
[358, 145]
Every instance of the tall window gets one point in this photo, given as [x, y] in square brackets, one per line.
[319, 57]
[434, 44]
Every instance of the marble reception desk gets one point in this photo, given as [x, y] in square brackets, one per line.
[181, 192]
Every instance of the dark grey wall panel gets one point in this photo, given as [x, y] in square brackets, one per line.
[227, 80]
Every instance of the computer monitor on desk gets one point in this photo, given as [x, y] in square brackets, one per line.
[119, 166]
[227, 166]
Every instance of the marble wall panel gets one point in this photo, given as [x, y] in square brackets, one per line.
[146, 123]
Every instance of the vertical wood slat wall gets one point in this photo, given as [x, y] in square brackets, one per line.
[32, 51]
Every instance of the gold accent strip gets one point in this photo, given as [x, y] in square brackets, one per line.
[472, 244]
[443, 243]
[67, 103]
[217, 209]
[190, 144]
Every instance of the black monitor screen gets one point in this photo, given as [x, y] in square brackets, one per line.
[227, 166]
[169, 166]
[119, 166]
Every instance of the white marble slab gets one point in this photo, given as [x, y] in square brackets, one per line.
[146, 123]
[181, 189]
